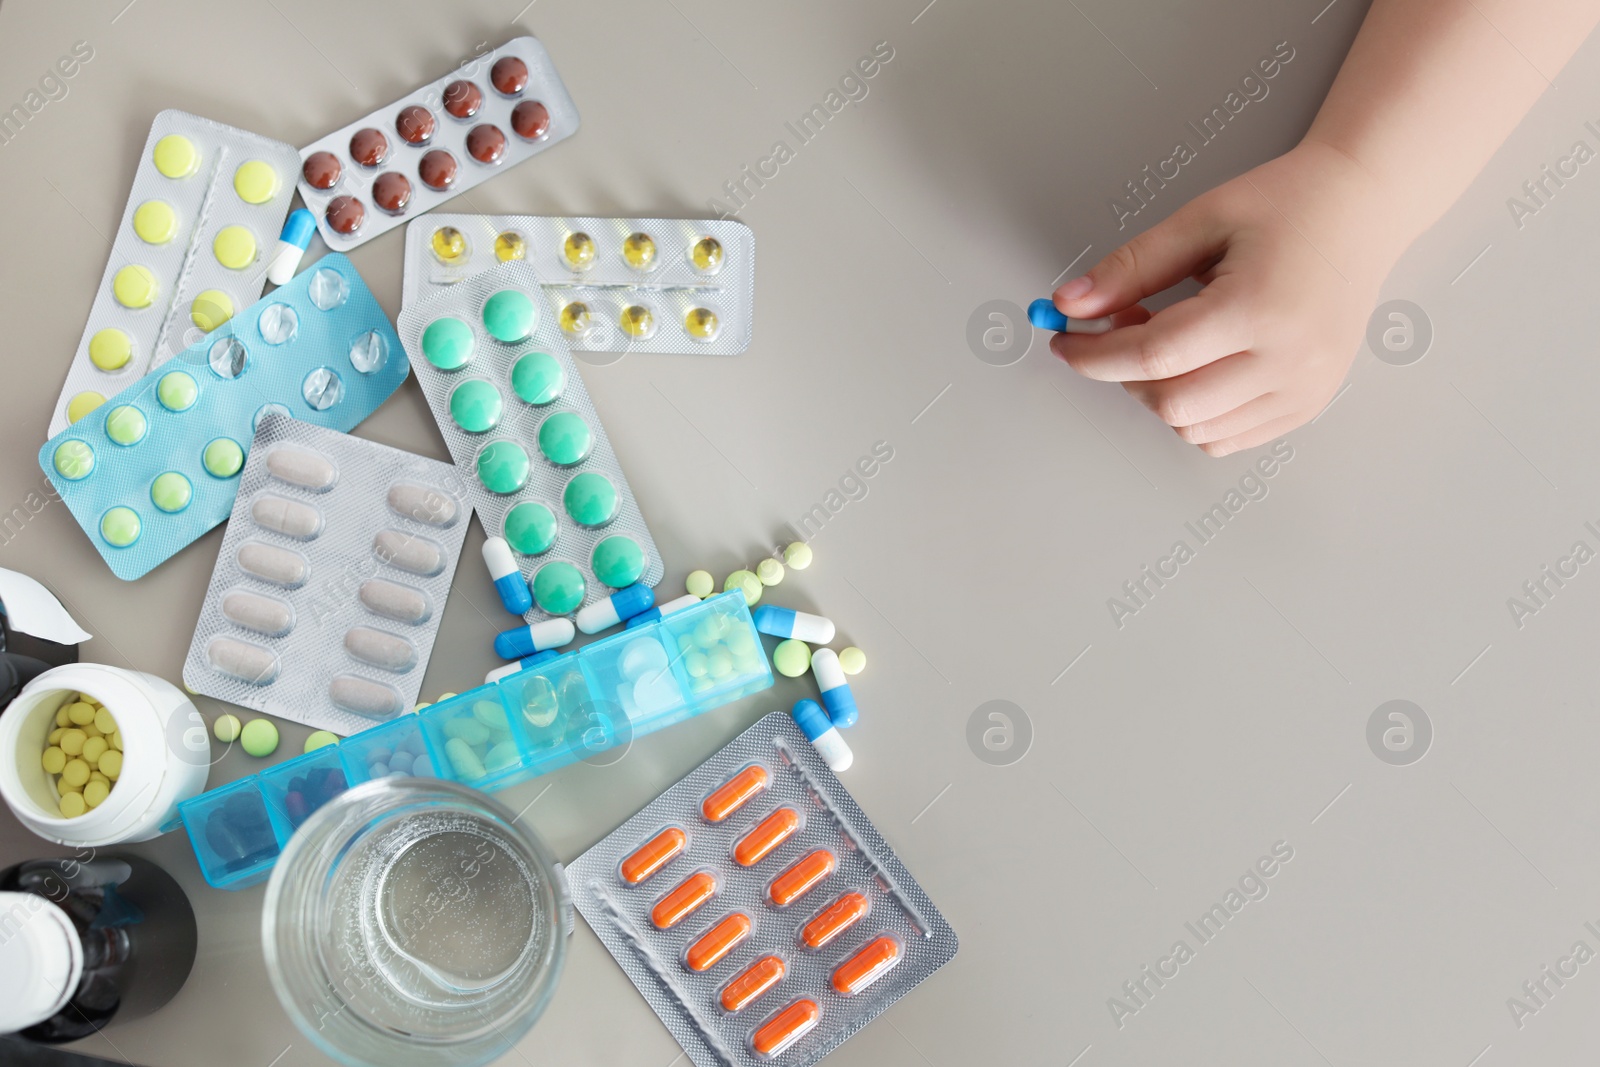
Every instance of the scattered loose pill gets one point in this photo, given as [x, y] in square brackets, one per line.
[769, 571]
[785, 1028]
[700, 584]
[834, 920]
[768, 834]
[804, 875]
[755, 980]
[226, 729]
[852, 660]
[797, 555]
[792, 658]
[684, 899]
[654, 854]
[320, 739]
[712, 946]
[735, 793]
[747, 583]
[871, 963]
[259, 738]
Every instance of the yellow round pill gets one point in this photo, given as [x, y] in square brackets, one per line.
[155, 222]
[255, 182]
[701, 324]
[72, 741]
[575, 317]
[637, 322]
[176, 156]
[235, 247]
[639, 250]
[73, 805]
[62, 718]
[449, 244]
[135, 286]
[111, 765]
[93, 749]
[852, 660]
[510, 246]
[75, 773]
[95, 793]
[706, 255]
[578, 250]
[110, 349]
[82, 404]
[55, 735]
[80, 713]
[96, 776]
[116, 740]
[54, 759]
[104, 722]
[211, 309]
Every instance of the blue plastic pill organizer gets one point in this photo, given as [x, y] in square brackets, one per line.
[319, 349]
[495, 368]
[574, 707]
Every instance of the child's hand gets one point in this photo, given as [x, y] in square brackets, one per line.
[1291, 255]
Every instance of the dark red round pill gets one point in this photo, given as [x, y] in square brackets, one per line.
[531, 120]
[438, 169]
[345, 214]
[321, 170]
[391, 191]
[509, 75]
[486, 143]
[462, 99]
[369, 147]
[415, 124]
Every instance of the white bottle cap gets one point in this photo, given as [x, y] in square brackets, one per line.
[41, 960]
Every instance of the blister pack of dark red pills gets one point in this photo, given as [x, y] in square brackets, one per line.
[493, 111]
[759, 912]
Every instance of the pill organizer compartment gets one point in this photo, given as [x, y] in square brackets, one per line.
[477, 739]
[684, 286]
[233, 834]
[295, 789]
[396, 749]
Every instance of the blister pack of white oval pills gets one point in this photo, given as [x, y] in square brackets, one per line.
[518, 421]
[619, 284]
[331, 580]
[757, 909]
[207, 204]
[495, 110]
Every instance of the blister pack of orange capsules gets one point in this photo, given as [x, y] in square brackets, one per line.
[760, 913]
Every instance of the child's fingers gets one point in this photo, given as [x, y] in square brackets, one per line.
[1259, 435]
[1152, 262]
[1202, 395]
[1176, 340]
[1242, 419]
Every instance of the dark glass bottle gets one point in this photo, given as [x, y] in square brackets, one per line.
[135, 934]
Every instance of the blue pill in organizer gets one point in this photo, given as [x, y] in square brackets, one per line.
[153, 468]
[623, 604]
[515, 596]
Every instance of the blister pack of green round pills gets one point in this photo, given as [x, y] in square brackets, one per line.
[517, 419]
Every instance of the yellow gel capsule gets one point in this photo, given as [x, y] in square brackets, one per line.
[706, 255]
[211, 309]
[578, 251]
[54, 759]
[176, 156]
[73, 805]
[639, 251]
[702, 324]
[510, 246]
[155, 222]
[110, 349]
[449, 244]
[95, 793]
[575, 317]
[111, 765]
[637, 322]
[135, 286]
[75, 773]
[235, 247]
[255, 182]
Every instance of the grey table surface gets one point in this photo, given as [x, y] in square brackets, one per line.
[1148, 766]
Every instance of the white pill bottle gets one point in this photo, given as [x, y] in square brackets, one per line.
[166, 754]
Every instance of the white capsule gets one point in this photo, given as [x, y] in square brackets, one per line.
[423, 503]
[380, 649]
[242, 660]
[364, 696]
[273, 564]
[288, 517]
[408, 552]
[825, 667]
[263, 614]
[302, 467]
[394, 601]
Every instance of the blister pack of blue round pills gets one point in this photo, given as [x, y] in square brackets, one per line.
[157, 465]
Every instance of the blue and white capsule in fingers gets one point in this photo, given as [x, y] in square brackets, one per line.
[1043, 314]
[688, 600]
[836, 694]
[507, 670]
[625, 603]
[823, 735]
[782, 622]
[524, 641]
[515, 596]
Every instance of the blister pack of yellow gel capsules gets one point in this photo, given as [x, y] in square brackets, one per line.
[207, 205]
[619, 285]
[517, 419]
[757, 909]
[158, 464]
[332, 578]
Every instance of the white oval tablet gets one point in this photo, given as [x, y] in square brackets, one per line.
[394, 601]
[273, 564]
[408, 552]
[364, 697]
[302, 467]
[288, 517]
[242, 660]
[423, 503]
[380, 649]
[263, 614]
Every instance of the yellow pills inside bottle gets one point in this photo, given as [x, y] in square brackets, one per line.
[449, 244]
[639, 251]
[510, 246]
[578, 251]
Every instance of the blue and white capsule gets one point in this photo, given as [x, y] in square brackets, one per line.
[524, 641]
[625, 603]
[508, 669]
[1043, 314]
[802, 626]
[836, 694]
[823, 735]
[292, 244]
[688, 600]
[514, 594]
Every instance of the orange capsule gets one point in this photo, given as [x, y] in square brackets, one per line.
[772, 831]
[838, 917]
[679, 904]
[653, 855]
[802, 877]
[733, 794]
[785, 1028]
[866, 966]
[717, 942]
[755, 980]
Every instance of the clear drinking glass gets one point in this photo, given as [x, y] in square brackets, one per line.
[412, 922]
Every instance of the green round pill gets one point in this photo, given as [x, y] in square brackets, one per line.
[320, 739]
[74, 459]
[126, 425]
[509, 316]
[530, 528]
[503, 467]
[222, 458]
[177, 391]
[564, 438]
[120, 527]
[747, 583]
[617, 561]
[447, 343]
[590, 499]
[538, 378]
[792, 658]
[475, 406]
[558, 588]
[226, 728]
[171, 492]
[259, 738]
[700, 584]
